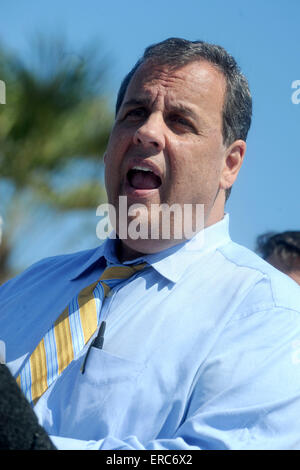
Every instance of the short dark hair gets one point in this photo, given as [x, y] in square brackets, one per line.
[285, 246]
[177, 52]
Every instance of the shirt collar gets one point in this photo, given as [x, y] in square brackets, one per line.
[170, 263]
[173, 263]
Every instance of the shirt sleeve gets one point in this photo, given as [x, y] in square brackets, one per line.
[246, 395]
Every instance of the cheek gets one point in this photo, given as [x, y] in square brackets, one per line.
[187, 162]
[111, 176]
[196, 173]
[117, 144]
[121, 135]
[115, 152]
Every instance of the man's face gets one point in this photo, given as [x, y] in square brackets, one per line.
[166, 145]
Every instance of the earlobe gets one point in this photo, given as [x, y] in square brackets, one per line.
[233, 163]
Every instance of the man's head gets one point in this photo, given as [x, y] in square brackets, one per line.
[282, 250]
[183, 112]
[177, 52]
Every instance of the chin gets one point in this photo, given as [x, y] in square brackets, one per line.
[134, 248]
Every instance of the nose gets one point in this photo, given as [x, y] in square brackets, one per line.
[151, 133]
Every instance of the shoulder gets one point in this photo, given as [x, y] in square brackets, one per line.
[270, 288]
[60, 266]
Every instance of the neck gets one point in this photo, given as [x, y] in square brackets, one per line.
[125, 253]
[217, 212]
[131, 249]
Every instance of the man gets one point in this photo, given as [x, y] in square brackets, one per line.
[200, 349]
[282, 250]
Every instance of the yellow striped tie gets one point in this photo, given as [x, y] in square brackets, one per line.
[34, 377]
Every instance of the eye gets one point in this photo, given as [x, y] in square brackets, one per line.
[135, 113]
[181, 122]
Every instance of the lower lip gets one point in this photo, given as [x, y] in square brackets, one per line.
[138, 193]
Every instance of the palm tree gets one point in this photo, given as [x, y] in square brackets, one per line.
[55, 117]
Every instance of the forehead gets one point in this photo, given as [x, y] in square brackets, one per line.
[199, 83]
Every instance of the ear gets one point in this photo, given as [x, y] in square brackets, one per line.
[105, 158]
[232, 164]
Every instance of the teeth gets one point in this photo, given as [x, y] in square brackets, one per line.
[141, 168]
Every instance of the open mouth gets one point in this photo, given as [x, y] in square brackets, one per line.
[143, 178]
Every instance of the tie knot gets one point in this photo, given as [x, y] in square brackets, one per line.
[118, 274]
[121, 272]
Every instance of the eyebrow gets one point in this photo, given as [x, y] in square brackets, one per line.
[137, 102]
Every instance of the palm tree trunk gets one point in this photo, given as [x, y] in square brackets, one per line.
[5, 271]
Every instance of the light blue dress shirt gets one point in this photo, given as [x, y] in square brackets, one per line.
[201, 350]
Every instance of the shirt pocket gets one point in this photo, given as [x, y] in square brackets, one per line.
[92, 405]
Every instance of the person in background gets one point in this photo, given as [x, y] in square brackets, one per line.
[282, 250]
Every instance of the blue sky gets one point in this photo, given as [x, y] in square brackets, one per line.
[263, 36]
